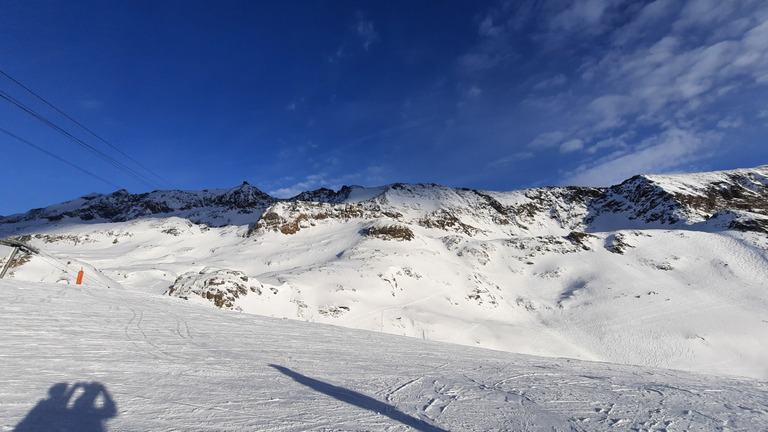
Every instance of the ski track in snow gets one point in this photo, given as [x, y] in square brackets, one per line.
[171, 365]
[654, 305]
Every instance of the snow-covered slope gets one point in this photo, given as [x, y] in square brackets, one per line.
[86, 358]
[217, 207]
[666, 271]
[737, 198]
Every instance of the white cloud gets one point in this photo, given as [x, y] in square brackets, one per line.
[555, 81]
[657, 155]
[607, 144]
[730, 122]
[474, 91]
[548, 139]
[571, 146]
[651, 17]
[487, 29]
[336, 56]
[494, 47]
[676, 75]
[366, 31]
[582, 14]
[687, 68]
[515, 157]
[722, 19]
[311, 182]
[373, 175]
[608, 111]
[674, 82]
[478, 61]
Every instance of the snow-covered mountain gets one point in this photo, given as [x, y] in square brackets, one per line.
[218, 207]
[665, 271]
[666, 201]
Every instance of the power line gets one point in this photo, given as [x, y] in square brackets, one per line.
[133, 173]
[65, 269]
[85, 128]
[58, 158]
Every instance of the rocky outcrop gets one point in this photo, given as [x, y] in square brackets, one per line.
[290, 217]
[222, 287]
[688, 199]
[213, 207]
[684, 200]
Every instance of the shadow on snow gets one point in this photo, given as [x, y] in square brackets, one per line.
[82, 407]
[360, 400]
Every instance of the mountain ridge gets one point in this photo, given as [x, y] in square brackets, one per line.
[662, 271]
[669, 200]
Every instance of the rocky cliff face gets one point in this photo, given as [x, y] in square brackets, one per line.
[726, 200]
[689, 199]
[464, 211]
[218, 207]
[729, 199]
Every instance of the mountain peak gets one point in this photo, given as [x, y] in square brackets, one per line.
[485, 268]
[663, 200]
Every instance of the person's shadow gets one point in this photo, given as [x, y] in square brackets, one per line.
[82, 407]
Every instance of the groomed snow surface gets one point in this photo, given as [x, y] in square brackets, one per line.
[139, 362]
[679, 299]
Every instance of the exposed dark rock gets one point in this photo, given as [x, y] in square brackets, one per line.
[389, 232]
[661, 200]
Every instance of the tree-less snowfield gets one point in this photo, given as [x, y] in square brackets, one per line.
[146, 362]
[603, 304]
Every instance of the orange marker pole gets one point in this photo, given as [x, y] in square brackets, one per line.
[80, 277]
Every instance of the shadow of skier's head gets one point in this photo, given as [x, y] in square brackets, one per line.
[81, 407]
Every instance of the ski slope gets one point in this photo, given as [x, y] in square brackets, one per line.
[151, 362]
[682, 299]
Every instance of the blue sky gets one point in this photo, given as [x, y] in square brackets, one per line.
[297, 95]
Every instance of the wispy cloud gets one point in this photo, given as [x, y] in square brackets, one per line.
[548, 139]
[583, 16]
[571, 146]
[294, 104]
[310, 182]
[91, 104]
[366, 31]
[512, 158]
[336, 55]
[637, 87]
[371, 175]
[659, 154]
[552, 82]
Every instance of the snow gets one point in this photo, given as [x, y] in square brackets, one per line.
[690, 300]
[359, 193]
[751, 179]
[603, 310]
[150, 362]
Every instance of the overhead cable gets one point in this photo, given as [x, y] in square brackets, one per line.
[16, 137]
[86, 129]
[130, 171]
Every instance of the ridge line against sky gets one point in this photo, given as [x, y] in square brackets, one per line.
[298, 95]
